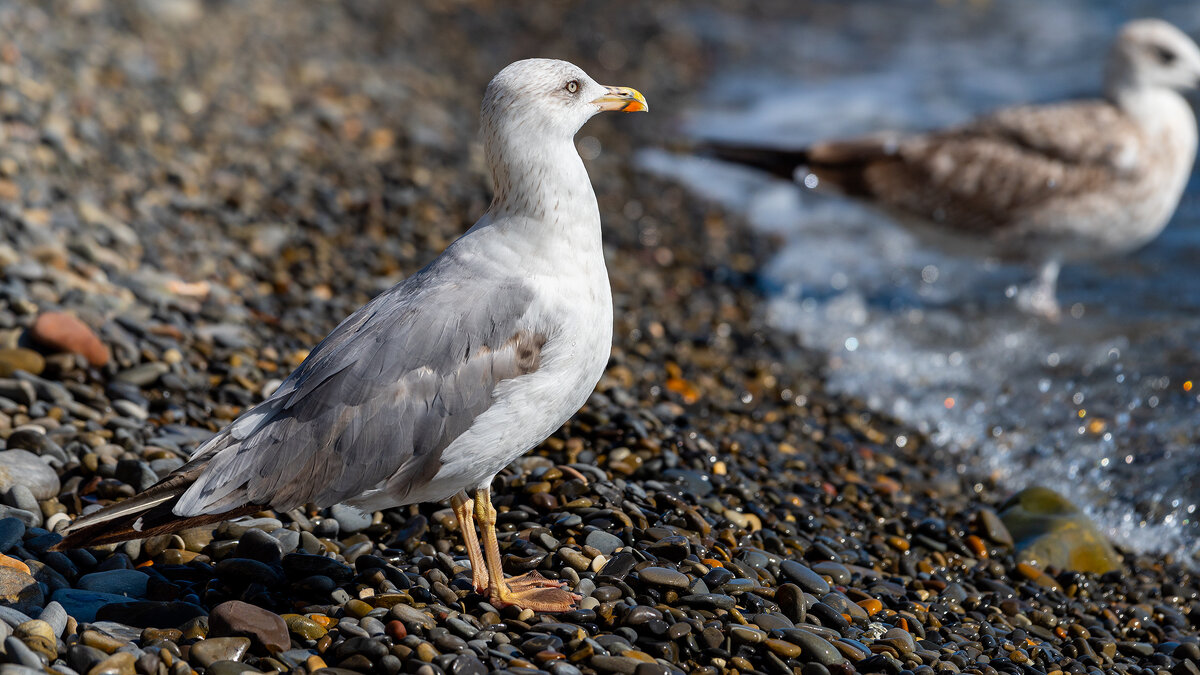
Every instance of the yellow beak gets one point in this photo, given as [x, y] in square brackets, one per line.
[622, 99]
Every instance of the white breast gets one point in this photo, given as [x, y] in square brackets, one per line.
[573, 309]
[530, 408]
[1145, 205]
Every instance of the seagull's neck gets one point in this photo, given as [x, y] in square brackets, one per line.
[1151, 107]
[542, 184]
[1168, 126]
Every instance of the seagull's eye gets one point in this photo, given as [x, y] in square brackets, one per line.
[573, 86]
[1164, 55]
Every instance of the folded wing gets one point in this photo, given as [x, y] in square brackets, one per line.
[385, 393]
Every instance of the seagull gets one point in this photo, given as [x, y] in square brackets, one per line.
[1036, 184]
[430, 389]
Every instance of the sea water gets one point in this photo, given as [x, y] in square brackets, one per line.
[1104, 405]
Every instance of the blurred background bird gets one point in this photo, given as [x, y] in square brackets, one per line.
[1037, 184]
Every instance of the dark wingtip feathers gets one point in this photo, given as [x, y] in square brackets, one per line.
[155, 519]
[779, 162]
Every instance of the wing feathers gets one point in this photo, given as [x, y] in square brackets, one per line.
[358, 427]
[381, 397]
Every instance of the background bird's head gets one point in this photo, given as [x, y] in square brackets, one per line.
[1153, 53]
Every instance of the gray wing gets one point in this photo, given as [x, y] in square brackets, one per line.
[386, 392]
[985, 175]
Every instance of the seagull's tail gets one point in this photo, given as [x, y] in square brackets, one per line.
[147, 514]
[777, 161]
[846, 166]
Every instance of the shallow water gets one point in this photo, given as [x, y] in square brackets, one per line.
[1104, 406]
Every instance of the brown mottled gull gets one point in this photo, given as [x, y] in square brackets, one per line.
[1040, 184]
[440, 382]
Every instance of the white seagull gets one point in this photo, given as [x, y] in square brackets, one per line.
[437, 384]
[1038, 184]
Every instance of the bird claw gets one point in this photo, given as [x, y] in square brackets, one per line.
[531, 580]
[535, 592]
[1037, 301]
[479, 581]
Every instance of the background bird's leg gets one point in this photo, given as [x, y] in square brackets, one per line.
[463, 507]
[1040, 296]
[529, 591]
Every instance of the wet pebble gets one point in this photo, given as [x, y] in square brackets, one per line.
[815, 647]
[20, 467]
[664, 577]
[129, 583]
[11, 532]
[208, 651]
[350, 519]
[267, 631]
[257, 545]
[603, 542]
[804, 577]
[83, 605]
[18, 587]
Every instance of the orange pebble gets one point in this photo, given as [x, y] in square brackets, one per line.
[887, 486]
[977, 546]
[871, 606]
[1028, 571]
[7, 561]
[685, 389]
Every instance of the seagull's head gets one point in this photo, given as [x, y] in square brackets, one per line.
[550, 99]
[1153, 53]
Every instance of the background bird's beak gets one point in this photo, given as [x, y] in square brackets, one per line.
[622, 99]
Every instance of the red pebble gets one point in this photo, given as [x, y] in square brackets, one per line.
[65, 333]
[396, 630]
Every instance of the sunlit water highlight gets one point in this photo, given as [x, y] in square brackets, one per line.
[1104, 406]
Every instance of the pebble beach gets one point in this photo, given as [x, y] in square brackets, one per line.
[192, 194]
